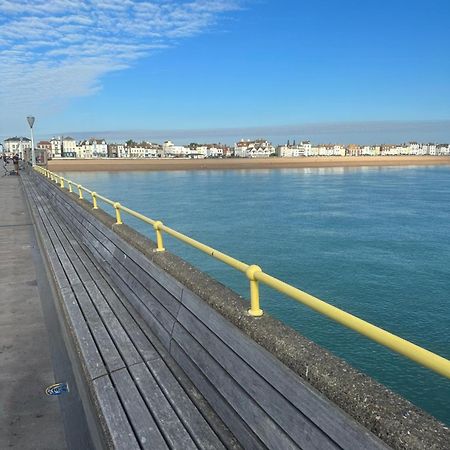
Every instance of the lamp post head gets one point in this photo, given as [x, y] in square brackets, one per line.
[30, 121]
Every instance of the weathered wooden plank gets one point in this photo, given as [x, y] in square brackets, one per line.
[90, 357]
[171, 303]
[58, 273]
[168, 363]
[88, 243]
[248, 439]
[160, 332]
[155, 272]
[115, 423]
[144, 426]
[243, 404]
[58, 229]
[301, 430]
[65, 262]
[101, 247]
[118, 334]
[91, 360]
[100, 231]
[202, 433]
[335, 423]
[154, 306]
[105, 344]
[157, 308]
[167, 420]
[121, 339]
[138, 337]
[126, 346]
[141, 341]
[112, 241]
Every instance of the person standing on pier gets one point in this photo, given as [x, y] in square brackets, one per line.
[16, 163]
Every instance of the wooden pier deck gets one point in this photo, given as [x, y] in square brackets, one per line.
[141, 396]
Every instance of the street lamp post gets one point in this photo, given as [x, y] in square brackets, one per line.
[30, 120]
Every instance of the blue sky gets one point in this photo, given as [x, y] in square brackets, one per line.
[366, 71]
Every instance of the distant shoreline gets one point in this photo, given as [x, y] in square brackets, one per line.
[116, 164]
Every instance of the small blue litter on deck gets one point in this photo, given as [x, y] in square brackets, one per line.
[57, 389]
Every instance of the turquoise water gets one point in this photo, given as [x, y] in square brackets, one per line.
[372, 241]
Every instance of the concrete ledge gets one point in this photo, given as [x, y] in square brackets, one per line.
[393, 419]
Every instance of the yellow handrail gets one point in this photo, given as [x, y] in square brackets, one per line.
[255, 275]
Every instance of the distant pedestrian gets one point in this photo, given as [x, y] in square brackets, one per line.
[5, 164]
[16, 163]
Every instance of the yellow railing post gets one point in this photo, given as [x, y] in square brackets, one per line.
[80, 192]
[70, 186]
[94, 200]
[254, 310]
[117, 206]
[61, 179]
[159, 239]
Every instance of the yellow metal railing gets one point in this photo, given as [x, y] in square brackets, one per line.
[255, 276]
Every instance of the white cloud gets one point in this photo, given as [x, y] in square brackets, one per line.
[55, 50]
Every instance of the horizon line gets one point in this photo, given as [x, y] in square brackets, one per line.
[294, 130]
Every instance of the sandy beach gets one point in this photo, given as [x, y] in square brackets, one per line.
[91, 165]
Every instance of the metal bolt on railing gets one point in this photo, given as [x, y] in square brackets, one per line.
[94, 200]
[254, 310]
[159, 240]
[117, 206]
[80, 192]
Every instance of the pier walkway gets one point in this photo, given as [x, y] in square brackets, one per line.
[28, 418]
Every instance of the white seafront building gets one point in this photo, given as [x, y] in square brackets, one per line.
[145, 150]
[92, 148]
[210, 150]
[305, 149]
[170, 150]
[259, 148]
[55, 147]
[69, 147]
[62, 147]
[19, 145]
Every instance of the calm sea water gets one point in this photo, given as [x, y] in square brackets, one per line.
[372, 241]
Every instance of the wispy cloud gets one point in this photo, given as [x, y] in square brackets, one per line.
[55, 50]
